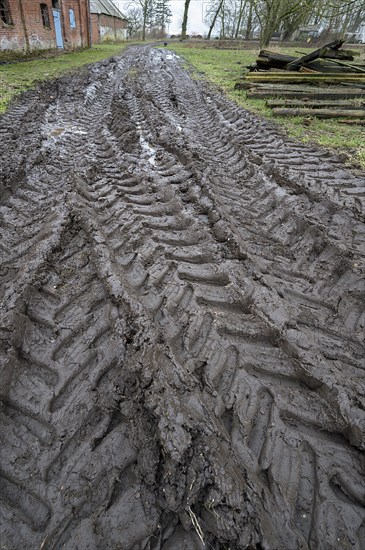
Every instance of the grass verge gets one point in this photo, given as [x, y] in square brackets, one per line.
[224, 67]
[18, 77]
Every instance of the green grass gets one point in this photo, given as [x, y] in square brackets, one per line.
[224, 67]
[18, 77]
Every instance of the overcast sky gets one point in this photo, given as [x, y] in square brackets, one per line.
[195, 20]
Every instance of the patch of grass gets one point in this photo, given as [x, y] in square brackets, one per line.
[224, 67]
[24, 75]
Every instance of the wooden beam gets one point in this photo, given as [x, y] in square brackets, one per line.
[315, 54]
[292, 87]
[321, 113]
[267, 60]
[305, 77]
[324, 104]
[343, 64]
[315, 95]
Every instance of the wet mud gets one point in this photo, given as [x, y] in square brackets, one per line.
[182, 320]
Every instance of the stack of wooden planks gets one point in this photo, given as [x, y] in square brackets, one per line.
[326, 59]
[326, 83]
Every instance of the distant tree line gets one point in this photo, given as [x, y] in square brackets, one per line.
[265, 18]
[253, 19]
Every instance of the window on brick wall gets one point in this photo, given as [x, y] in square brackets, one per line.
[5, 16]
[45, 16]
[71, 14]
[55, 4]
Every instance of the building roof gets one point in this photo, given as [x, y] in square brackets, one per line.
[106, 7]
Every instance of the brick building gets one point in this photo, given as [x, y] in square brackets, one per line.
[30, 25]
[107, 22]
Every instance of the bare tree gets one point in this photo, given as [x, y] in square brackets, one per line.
[240, 16]
[231, 17]
[135, 21]
[162, 15]
[215, 11]
[145, 7]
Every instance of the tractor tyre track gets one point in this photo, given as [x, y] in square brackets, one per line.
[182, 322]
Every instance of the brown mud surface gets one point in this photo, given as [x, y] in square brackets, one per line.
[181, 322]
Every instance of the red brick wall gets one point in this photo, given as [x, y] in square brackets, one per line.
[78, 36]
[13, 37]
[106, 27]
[35, 35]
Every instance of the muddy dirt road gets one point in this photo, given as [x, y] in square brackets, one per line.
[181, 322]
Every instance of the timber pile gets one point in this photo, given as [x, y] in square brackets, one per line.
[325, 83]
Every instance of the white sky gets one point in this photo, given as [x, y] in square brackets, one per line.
[195, 20]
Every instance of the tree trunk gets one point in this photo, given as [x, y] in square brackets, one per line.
[346, 22]
[185, 19]
[223, 31]
[268, 30]
[239, 20]
[145, 10]
[249, 23]
[214, 19]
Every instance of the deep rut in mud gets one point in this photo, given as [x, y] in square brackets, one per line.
[182, 322]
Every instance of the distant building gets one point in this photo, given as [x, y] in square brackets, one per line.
[359, 36]
[306, 33]
[30, 25]
[107, 22]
